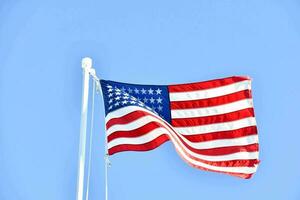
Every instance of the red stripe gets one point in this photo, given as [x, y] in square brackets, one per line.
[135, 132]
[251, 130]
[197, 121]
[222, 150]
[233, 163]
[215, 101]
[126, 119]
[139, 147]
[206, 84]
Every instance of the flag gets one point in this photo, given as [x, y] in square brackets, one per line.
[211, 124]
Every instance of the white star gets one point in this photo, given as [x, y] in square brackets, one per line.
[159, 100]
[110, 90]
[118, 93]
[132, 102]
[109, 86]
[152, 100]
[124, 102]
[158, 91]
[117, 103]
[110, 107]
[126, 97]
[110, 101]
[150, 91]
[160, 108]
[117, 89]
[143, 91]
[136, 91]
[129, 90]
[117, 98]
[110, 94]
[123, 89]
[145, 100]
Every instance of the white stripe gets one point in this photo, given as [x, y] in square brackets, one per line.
[252, 139]
[210, 128]
[132, 125]
[233, 156]
[209, 93]
[213, 110]
[123, 111]
[152, 135]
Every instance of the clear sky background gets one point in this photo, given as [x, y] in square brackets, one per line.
[151, 42]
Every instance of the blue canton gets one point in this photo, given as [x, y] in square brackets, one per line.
[151, 97]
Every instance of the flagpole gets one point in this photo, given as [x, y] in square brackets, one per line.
[86, 65]
[107, 163]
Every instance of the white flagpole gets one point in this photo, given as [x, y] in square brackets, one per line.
[106, 159]
[86, 65]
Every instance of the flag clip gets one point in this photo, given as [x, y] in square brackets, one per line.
[107, 161]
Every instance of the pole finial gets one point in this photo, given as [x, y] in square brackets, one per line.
[86, 63]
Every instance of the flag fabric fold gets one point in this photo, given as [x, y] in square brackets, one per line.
[211, 124]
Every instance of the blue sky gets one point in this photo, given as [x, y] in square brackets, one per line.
[151, 42]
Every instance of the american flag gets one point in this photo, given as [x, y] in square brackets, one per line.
[211, 124]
